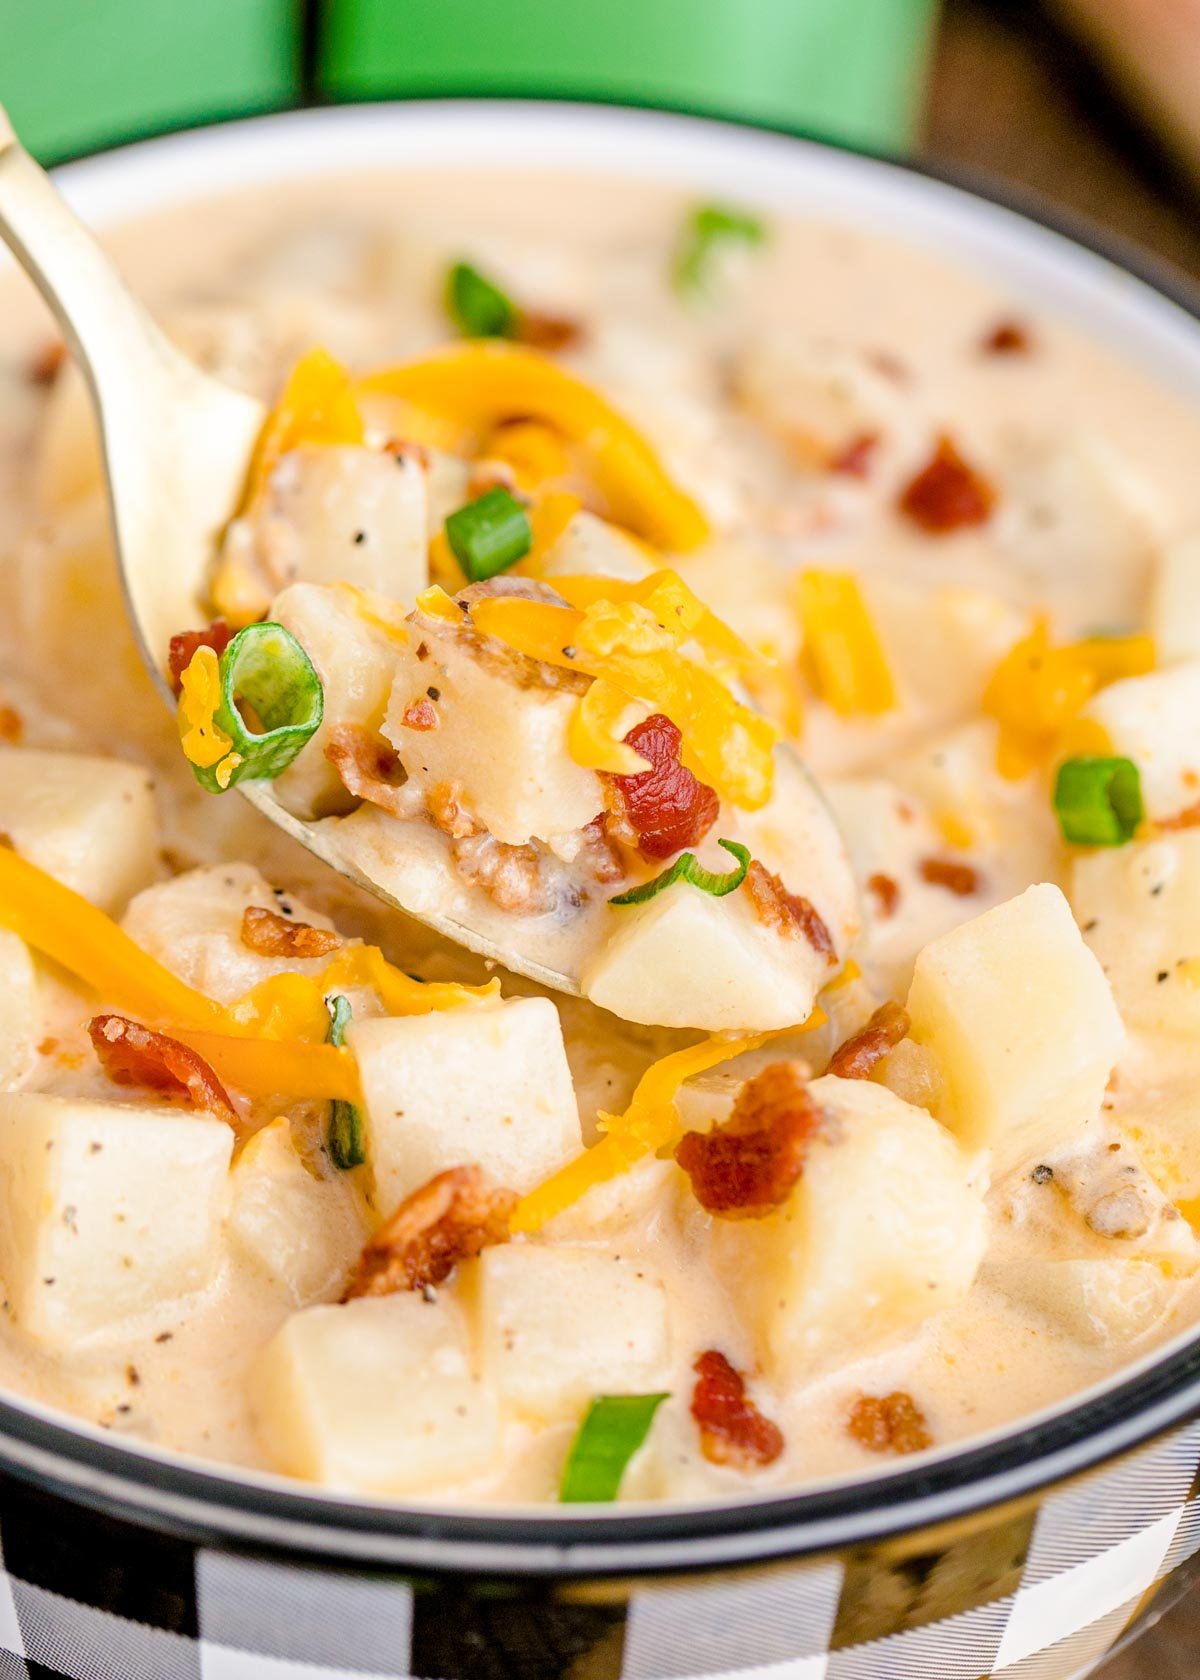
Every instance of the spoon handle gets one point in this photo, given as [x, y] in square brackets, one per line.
[112, 337]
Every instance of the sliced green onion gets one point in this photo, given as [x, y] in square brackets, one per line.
[266, 669]
[685, 868]
[612, 1431]
[1098, 801]
[708, 229]
[489, 535]
[346, 1148]
[478, 308]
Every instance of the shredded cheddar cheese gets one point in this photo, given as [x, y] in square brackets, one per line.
[317, 406]
[649, 1124]
[480, 385]
[288, 1070]
[598, 727]
[638, 653]
[535, 451]
[843, 655]
[203, 741]
[1037, 691]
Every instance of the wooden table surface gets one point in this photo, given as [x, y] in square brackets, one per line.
[1009, 95]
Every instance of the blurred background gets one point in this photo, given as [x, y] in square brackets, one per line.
[1092, 104]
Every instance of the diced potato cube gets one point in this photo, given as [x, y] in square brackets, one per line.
[193, 925]
[818, 397]
[89, 822]
[108, 1211]
[561, 1325]
[1021, 1019]
[941, 643]
[1173, 617]
[501, 734]
[1155, 721]
[1078, 523]
[591, 547]
[686, 959]
[356, 662]
[1110, 1302]
[1139, 906]
[883, 1229]
[302, 1231]
[379, 1396]
[489, 1086]
[341, 515]
[20, 1017]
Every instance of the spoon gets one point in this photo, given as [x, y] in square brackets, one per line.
[176, 445]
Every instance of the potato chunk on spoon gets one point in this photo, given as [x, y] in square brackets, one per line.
[177, 447]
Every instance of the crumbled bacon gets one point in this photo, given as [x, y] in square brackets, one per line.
[450, 1219]
[1189, 817]
[666, 808]
[12, 725]
[183, 648]
[270, 935]
[511, 876]
[367, 766]
[422, 714]
[444, 802]
[947, 494]
[787, 912]
[548, 332]
[47, 363]
[131, 1054]
[1006, 338]
[748, 1165]
[855, 459]
[732, 1429]
[601, 853]
[958, 878]
[886, 893]
[855, 1058]
[889, 1423]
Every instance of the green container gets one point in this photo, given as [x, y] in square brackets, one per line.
[79, 74]
[850, 70]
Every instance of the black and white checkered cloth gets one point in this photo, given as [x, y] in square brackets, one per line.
[1042, 1594]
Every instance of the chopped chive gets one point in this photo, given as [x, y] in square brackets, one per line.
[613, 1429]
[477, 306]
[1098, 801]
[489, 535]
[685, 868]
[709, 228]
[346, 1148]
[265, 669]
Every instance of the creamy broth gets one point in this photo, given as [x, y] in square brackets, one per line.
[247, 283]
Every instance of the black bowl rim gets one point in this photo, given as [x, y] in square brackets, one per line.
[211, 1505]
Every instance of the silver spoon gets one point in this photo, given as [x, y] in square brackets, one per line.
[176, 445]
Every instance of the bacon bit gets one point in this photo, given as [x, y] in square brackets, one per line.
[47, 363]
[270, 935]
[511, 876]
[12, 725]
[131, 1054]
[183, 647]
[748, 1165]
[732, 1429]
[422, 714]
[947, 494]
[367, 766]
[886, 894]
[1187, 818]
[1007, 338]
[447, 811]
[601, 853]
[855, 1058]
[856, 458]
[452, 1218]
[788, 913]
[958, 878]
[889, 1423]
[548, 332]
[665, 808]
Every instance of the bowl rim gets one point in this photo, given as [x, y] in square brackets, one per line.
[213, 1503]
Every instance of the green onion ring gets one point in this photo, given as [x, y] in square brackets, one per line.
[346, 1146]
[685, 868]
[612, 1430]
[264, 666]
